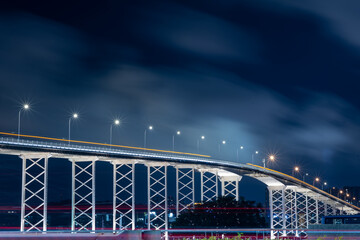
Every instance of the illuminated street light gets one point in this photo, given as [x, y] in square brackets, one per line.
[252, 156]
[223, 142]
[237, 152]
[305, 175]
[75, 116]
[271, 158]
[295, 170]
[25, 107]
[316, 180]
[173, 142]
[116, 123]
[198, 143]
[149, 128]
[322, 186]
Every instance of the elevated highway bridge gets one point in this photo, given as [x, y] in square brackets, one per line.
[293, 204]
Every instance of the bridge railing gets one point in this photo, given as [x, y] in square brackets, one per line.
[89, 148]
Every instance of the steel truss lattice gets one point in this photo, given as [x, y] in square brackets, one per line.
[34, 192]
[123, 195]
[83, 194]
[321, 210]
[313, 210]
[277, 210]
[302, 213]
[329, 210]
[185, 194]
[230, 186]
[291, 222]
[209, 185]
[157, 215]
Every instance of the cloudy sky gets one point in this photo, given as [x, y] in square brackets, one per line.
[275, 76]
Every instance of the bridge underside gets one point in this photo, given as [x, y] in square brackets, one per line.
[293, 205]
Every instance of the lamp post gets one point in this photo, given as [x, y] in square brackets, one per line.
[316, 180]
[149, 128]
[116, 123]
[237, 152]
[198, 143]
[252, 156]
[322, 186]
[25, 107]
[271, 158]
[295, 170]
[173, 142]
[223, 142]
[75, 116]
[305, 175]
[340, 192]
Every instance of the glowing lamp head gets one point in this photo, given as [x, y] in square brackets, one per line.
[117, 122]
[317, 179]
[296, 169]
[348, 195]
[75, 115]
[178, 132]
[272, 157]
[325, 183]
[224, 142]
[26, 106]
[241, 147]
[256, 152]
[341, 192]
[150, 127]
[202, 137]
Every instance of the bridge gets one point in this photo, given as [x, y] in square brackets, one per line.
[293, 204]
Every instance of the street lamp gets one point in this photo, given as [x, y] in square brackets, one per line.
[116, 123]
[75, 116]
[316, 180]
[295, 170]
[198, 143]
[177, 133]
[149, 128]
[325, 184]
[340, 192]
[305, 175]
[252, 156]
[24, 107]
[237, 152]
[271, 158]
[223, 142]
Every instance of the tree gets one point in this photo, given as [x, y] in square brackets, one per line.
[224, 212]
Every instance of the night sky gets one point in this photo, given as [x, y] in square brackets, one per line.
[274, 76]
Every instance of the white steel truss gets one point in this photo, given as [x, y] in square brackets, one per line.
[123, 195]
[34, 192]
[209, 185]
[185, 193]
[277, 210]
[157, 215]
[230, 188]
[321, 210]
[83, 194]
[302, 211]
[312, 210]
[291, 211]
